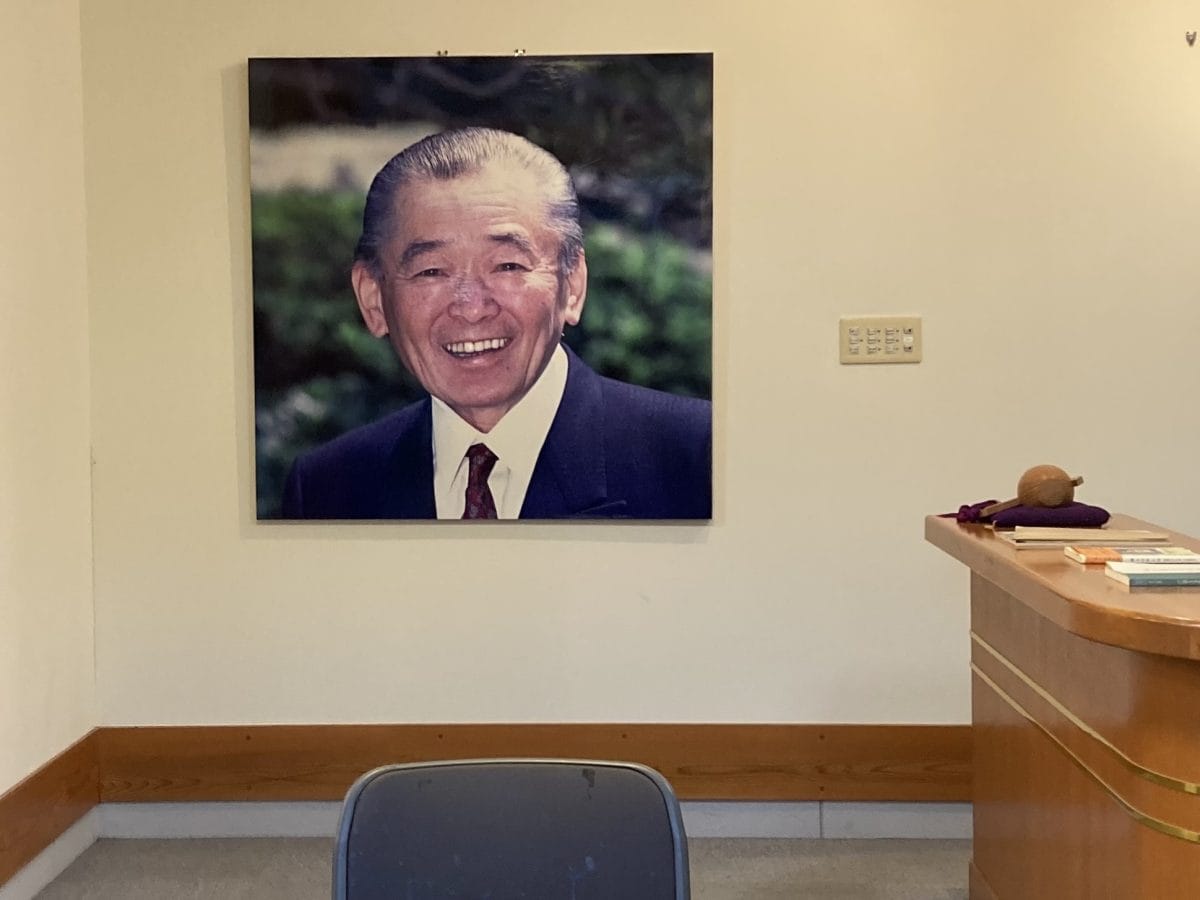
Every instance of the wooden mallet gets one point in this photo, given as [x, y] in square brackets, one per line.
[1045, 486]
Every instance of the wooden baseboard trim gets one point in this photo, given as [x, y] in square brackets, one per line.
[915, 763]
[703, 762]
[36, 811]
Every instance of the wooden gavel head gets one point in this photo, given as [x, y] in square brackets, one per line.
[1047, 486]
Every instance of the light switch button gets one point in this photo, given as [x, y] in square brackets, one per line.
[885, 339]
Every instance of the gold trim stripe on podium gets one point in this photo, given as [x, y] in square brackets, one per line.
[1158, 778]
[1167, 828]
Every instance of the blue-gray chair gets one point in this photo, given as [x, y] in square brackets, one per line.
[502, 829]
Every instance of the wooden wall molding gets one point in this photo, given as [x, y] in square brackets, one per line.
[702, 761]
[916, 763]
[38, 809]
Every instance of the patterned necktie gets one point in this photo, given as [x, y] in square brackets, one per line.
[480, 504]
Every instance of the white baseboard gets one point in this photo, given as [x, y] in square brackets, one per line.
[204, 820]
[732, 819]
[47, 865]
[751, 820]
[896, 820]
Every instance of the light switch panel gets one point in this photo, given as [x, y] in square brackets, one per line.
[871, 340]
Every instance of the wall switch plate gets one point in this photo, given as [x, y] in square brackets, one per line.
[870, 340]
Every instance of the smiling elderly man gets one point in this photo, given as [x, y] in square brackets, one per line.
[471, 264]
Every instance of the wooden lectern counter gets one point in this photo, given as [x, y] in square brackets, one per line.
[1086, 723]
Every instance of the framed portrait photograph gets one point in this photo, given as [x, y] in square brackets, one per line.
[482, 287]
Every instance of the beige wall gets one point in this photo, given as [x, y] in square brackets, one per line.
[47, 696]
[1021, 175]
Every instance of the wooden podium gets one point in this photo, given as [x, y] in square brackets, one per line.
[1085, 707]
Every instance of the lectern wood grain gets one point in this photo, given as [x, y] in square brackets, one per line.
[1077, 598]
[1086, 736]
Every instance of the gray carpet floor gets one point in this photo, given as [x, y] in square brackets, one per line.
[722, 869]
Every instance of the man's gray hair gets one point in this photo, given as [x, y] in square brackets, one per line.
[464, 151]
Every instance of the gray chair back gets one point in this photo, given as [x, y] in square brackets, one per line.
[503, 829]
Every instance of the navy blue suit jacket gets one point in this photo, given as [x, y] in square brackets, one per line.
[614, 450]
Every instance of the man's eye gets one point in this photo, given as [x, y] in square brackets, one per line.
[428, 273]
[511, 267]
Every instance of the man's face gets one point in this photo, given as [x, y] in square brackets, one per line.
[471, 296]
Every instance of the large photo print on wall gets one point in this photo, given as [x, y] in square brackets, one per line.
[482, 287]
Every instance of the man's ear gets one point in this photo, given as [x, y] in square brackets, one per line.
[369, 292]
[576, 291]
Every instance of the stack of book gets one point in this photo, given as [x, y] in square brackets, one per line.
[1036, 538]
[1154, 574]
[1142, 566]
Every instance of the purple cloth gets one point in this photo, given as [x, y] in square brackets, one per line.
[970, 513]
[1072, 515]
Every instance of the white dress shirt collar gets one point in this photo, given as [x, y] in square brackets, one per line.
[516, 440]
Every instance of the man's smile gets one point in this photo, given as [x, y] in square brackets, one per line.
[469, 349]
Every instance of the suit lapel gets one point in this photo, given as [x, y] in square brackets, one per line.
[569, 478]
[408, 494]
